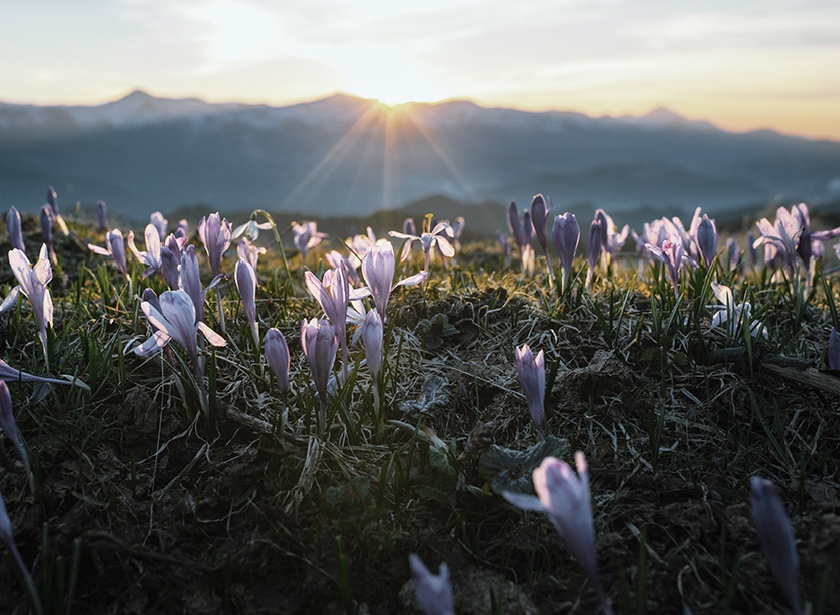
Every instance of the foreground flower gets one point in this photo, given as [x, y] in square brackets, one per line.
[378, 271]
[705, 236]
[15, 229]
[776, 536]
[783, 235]
[372, 338]
[521, 232]
[333, 295]
[214, 233]
[735, 314]
[190, 281]
[319, 344]
[246, 284]
[565, 498]
[540, 209]
[276, 351]
[531, 371]
[32, 282]
[159, 222]
[565, 235]
[115, 248]
[151, 255]
[433, 591]
[175, 319]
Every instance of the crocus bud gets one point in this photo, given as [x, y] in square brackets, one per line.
[15, 229]
[214, 232]
[531, 371]
[52, 200]
[596, 244]
[565, 234]
[706, 239]
[159, 222]
[378, 271]
[372, 339]
[433, 591]
[246, 283]
[116, 246]
[540, 209]
[170, 261]
[276, 351]
[101, 215]
[319, 344]
[776, 536]
[47, 226]
[408, 227]
[183, 229]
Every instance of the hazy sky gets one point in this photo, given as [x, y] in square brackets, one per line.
[745, 65]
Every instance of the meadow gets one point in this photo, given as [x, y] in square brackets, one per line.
[227, 474]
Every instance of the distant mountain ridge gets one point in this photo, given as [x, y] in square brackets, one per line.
[344, 155]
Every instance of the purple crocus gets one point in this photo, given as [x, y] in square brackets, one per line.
[318, 341]
[249, 252]
[276, 351]
[306, 237]
[531, 371]
[52, 202]
[10, 374]
[706, 236]
[564, 497]
[246, 283]
[440, 236]
[115, 248]
[433, 591]
[521, 231]
[372, 338]
[541, 207]
[214, 233]
[612, 239]
[183, 229]
[782, 235]
[672, 254]
[159, 222]
[174, 319]
[190, 281]
[15, 229]
[7, 423]
[565, 235]
[32, 282]
[151, 255]
[333, 295]
[833, 354]
[101, 215]
[596, 245]
[378, 270]
[46, 218]
[776, 536]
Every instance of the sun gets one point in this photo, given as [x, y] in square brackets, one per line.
[392, 77]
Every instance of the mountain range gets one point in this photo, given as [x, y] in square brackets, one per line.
[347, 156]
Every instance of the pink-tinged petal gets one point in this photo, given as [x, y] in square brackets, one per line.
[158, 340]
[413, 280]
[444, 245]
[10, 299]
[21, 268]
[179, 311]
[98, 250]
[316, 288]
[214, 338]
[359, 293]
[155, 317]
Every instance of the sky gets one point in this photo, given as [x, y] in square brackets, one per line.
[743, 66]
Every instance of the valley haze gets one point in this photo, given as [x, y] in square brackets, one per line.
[344, 156]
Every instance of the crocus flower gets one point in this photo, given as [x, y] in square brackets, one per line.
[378, 271]
[15, 229]
[333, 295]
[101, 215]
[735, 314]
[306, 237]
[565, 235]
[672, 254]
[521, 232]
[833, 354]
[47, 230]
[214, 233]
[170, 260]
[183, 229]
[246, 283]
[372, 336]
[776, 536]
[190, 281]
[32, 282]
[433, 591]
[159, 222]
[439, 237]
[52, 201]
[593, 252]
[783, 235]
[336, 259]
[251, 228]
[706, 237]
[612, 240]
[531, 371]
[151, 255]
[249, 252]
[565, 498]
[318, 341]
[408, 227]
[7, 423]
[540, 209]
[276, 351]
[10, 374]
[115, 248]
